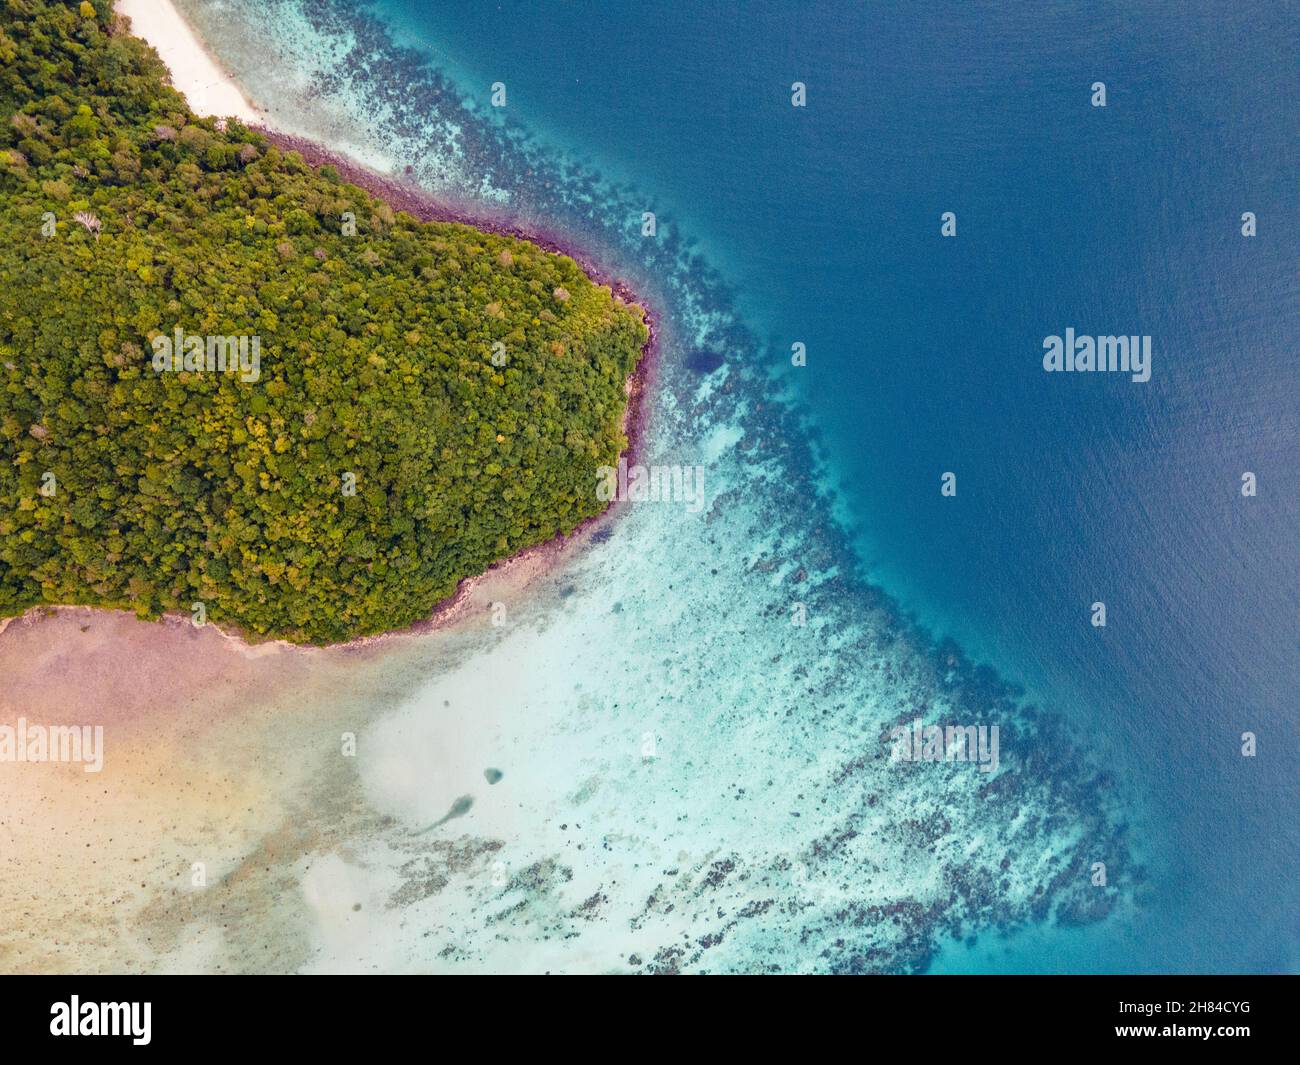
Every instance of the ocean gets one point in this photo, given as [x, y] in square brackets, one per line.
[821, 226]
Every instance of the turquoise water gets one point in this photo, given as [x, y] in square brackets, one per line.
[821, 225]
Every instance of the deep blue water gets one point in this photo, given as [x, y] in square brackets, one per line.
[925, 356]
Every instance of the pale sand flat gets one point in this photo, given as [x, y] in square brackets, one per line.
[195, 73]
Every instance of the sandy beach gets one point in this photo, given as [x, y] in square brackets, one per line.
[209, 89]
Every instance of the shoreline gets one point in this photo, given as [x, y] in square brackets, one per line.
[162, 26]
[206, 84]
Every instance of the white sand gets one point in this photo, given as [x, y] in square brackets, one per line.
[207, 87]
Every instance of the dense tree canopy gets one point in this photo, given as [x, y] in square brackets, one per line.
[429, 398]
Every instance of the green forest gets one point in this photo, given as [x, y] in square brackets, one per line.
[428, 399]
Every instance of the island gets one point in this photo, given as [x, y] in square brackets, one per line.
[240, 387]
